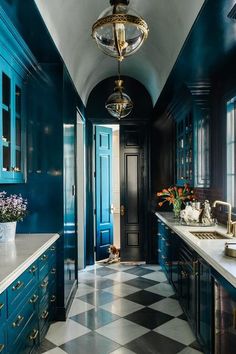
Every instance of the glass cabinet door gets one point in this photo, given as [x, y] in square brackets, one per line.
[184, 150]
[11, 142]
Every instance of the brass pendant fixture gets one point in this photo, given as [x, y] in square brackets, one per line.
[119, 31]
[119, 104]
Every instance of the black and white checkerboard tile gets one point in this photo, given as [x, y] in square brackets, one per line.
[122, 309]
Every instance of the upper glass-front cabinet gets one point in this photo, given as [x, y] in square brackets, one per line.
[193, 149]
[184, 150]
[11, 127]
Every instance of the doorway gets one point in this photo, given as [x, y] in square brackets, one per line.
[106, 189]
[120, 190]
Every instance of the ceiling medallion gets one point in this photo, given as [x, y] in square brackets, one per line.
[119, 31]
[119, 104]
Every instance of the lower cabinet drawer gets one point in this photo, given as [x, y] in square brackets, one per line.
[44, 313]
[3, 340]
[19, 319]
[21, 287]
[29, 338]
[3, 307]
[43, 287]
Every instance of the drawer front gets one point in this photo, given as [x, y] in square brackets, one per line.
[47, 261]
[44, 265]
[43, 287]
[52, 273]
[44, 314]
[19, 319]
[29, 339]
[3, 307]
[17, 291]
[3, 341]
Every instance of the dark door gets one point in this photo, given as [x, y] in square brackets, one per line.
[132, 183]
[104, 218]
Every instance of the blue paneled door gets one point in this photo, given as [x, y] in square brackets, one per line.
[103, 186]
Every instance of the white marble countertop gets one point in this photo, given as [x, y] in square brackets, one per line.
[17, 256]
[210, 250]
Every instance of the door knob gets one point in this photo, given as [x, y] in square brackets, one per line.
[112, 209]
[122, 210]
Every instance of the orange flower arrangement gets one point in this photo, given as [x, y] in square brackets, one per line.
[176, 195]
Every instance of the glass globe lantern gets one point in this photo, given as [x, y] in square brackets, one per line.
[119, 30]
[119, 104]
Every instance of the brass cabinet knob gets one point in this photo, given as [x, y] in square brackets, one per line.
[122, 210]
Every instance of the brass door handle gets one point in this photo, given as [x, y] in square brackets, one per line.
[44, 315]
[18, 285]
[18, 321]
[2, 346]
[122, 210]
[34, 334]
[34, 299]
[112, 209]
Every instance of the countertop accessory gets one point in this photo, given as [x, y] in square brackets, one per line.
[231, 226]
[7, 231]
[176, 196]
[230, 249]
[12, 209]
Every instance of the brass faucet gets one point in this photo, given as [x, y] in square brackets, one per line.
[231, 226]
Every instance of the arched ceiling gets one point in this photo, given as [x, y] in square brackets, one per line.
[69, 23]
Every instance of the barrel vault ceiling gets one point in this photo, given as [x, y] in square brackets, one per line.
[69, 23]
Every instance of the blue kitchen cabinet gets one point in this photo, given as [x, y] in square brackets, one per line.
[3, 315]
[204, 306]
[184, 150]
[28, 306]
[16, 63]
[12, 125]
[164, 248]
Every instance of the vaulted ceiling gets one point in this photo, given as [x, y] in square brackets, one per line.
[69, 23]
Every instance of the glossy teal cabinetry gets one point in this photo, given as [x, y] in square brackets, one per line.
[28, 306]
[16, 61]
[184, 150]
[205, 305]
[164, 248]
[193, 149]
[191, 278]
[3, 316]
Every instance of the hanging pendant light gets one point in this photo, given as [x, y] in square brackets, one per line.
[119, 104]
[119, 31]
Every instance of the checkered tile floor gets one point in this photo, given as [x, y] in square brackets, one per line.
[122, 309]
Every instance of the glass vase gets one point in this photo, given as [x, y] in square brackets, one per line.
[177, 208]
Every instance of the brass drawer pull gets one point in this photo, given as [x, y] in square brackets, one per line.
[53, 298]
[53, 248]
[44, 315]
[2, 346]
[195, 264]
[44, 257]
[53, 271]
[44, 284]
[33, 269]
[34, 334]
[18, 321]
[34, 299]
[18, 285]
[1, 306]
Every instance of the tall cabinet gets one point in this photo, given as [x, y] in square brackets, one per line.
[38, 105]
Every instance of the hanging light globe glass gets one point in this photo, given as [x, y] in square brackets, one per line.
[119, 30]
[119, 104]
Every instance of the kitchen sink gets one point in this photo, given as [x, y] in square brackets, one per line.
[208, 235]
